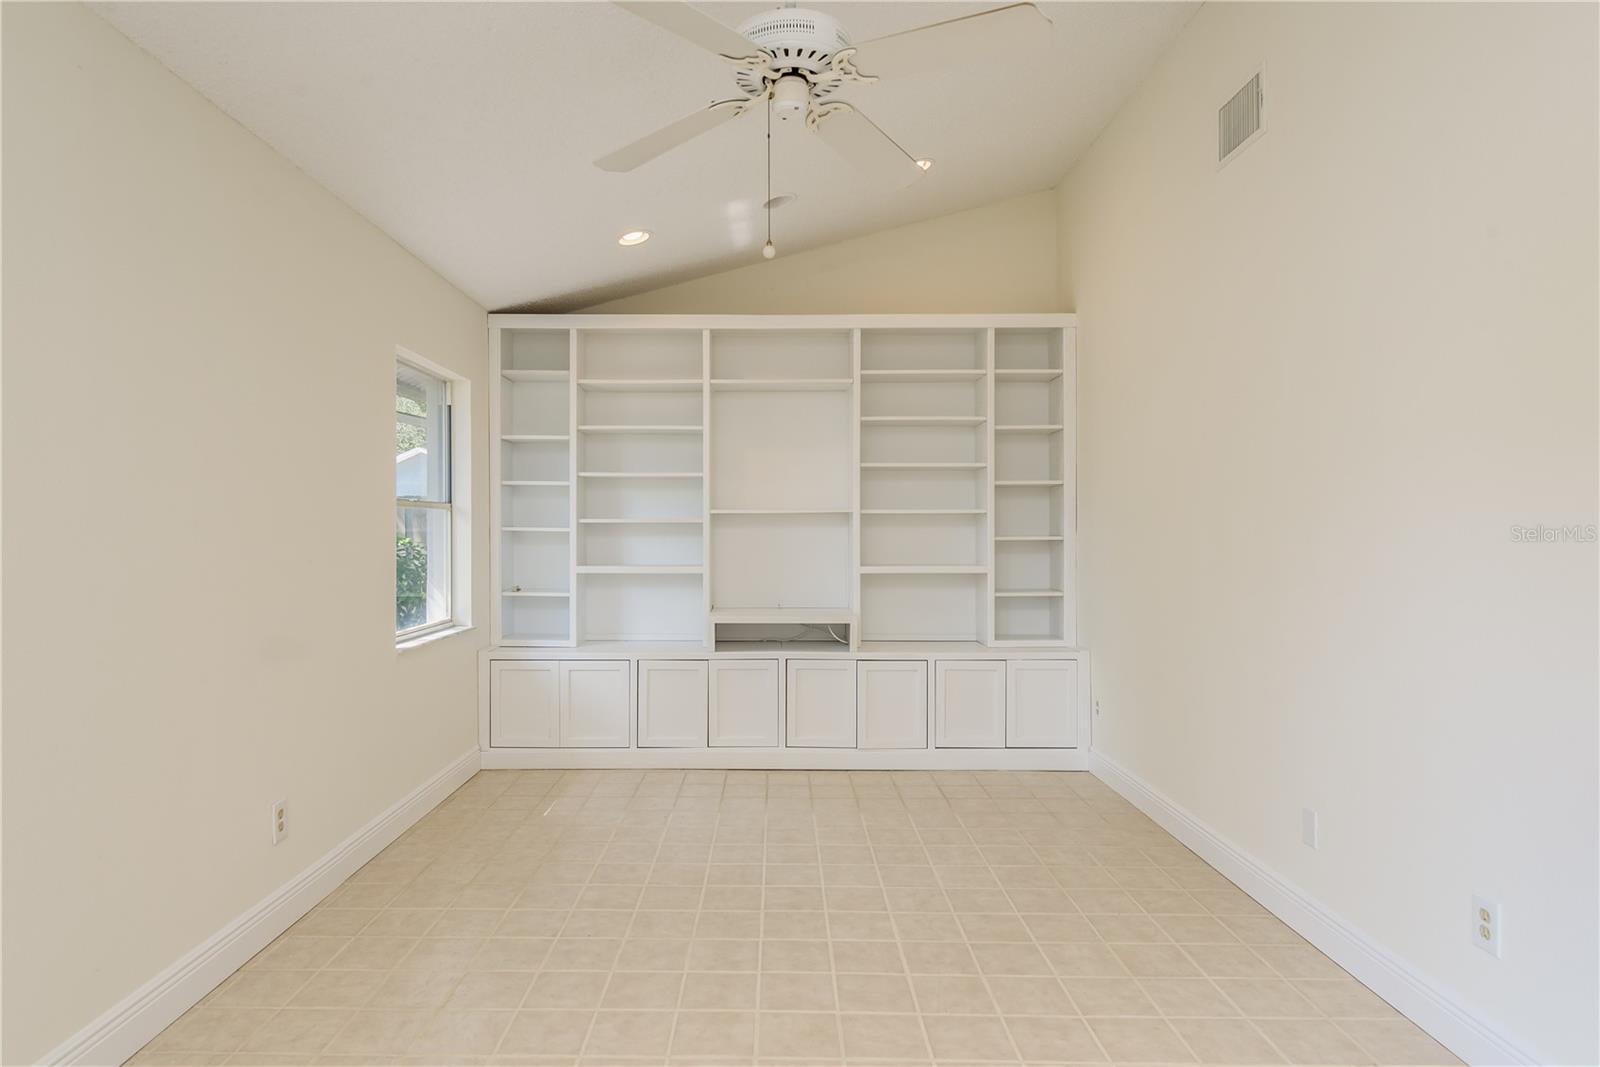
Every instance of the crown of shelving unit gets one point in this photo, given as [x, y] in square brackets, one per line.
[908, 477]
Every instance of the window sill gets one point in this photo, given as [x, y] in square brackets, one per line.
[429, 638]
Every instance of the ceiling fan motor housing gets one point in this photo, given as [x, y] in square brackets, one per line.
[797, 38]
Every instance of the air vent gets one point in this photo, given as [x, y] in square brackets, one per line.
[1239, 120]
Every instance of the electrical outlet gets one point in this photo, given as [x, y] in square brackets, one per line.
[1486, 928]
[280, 821]
[1097, 707]
[1308, 827]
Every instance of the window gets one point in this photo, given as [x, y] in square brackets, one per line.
[423, 513]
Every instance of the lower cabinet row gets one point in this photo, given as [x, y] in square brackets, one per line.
[684, 703]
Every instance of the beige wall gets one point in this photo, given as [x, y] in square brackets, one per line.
[199, 347]
[996, 258]
[1318, 388]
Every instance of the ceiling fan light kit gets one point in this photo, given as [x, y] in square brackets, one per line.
[794, 60]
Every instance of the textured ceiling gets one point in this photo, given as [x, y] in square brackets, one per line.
[467, 130]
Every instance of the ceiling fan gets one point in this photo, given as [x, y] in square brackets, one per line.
[798, 59]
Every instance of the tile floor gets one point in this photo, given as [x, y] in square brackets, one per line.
[734, 917]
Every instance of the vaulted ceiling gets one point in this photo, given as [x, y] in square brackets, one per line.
[467, 131]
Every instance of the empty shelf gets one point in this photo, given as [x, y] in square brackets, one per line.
[639, 429]
[923, 420]
[925, 466]
[533, 483]
[534, 529]
[927, 569]
[1028, 375]
[959, 375]
[638, 474]
[1029, 639]
[534, 375]
[783, 615]
[923, 511]
[643, 385]
[553, 594]
[780, 511]
[801, 384]
[633, 568]
[1031, 537]
[1043, 427]
[516, 438]
[640, 522]
[1014, 484]
[1028, 592]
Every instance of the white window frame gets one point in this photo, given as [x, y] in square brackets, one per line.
[458, 395]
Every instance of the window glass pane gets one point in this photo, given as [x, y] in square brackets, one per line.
[421, 436]
[421, 567]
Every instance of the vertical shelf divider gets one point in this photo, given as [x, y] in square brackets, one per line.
[989, 633]
[705, 489]
[574, 349]
[855, 484]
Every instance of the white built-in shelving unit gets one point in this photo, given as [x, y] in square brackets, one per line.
[682, 481]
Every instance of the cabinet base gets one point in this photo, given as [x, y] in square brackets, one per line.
[790, 759]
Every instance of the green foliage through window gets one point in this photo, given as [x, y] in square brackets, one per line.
[410, 582]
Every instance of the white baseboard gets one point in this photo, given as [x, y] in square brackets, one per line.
[794, 759]
[127, 1027]
[1411, 993]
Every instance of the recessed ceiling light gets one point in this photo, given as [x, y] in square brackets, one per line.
[925, 164]
[781, 200]
[634, 237]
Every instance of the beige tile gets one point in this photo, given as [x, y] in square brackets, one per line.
[1299, 961]
[730, 991]
[794, 956]
[555, 1033]
[297, 1030]
[1266, 998]
[867, 957]
[968, 1037]
[1010, 958]
[860, 926]
[883, 1037]
[652, 955]
[806, 1036]
[1229, 1041]
[566, 990]
[1396, 1041]
[1311, 1041]
[335, 989]
[1229, 961]
[1029, 996]
[724, 955]
[208, 1029]
[262, 989]
[1084, 960]
[714, 1033]
[1108, 996]
[1188, 997]
[414, 989]
[1055, 1040]
[511, 954]
[470, 1032]
[1344, 998]
[1140, 1041]
[490, 990]
[582, 954]
[643, 990]
[938, 957]
[378, 1031]
[630, 1033]
[799, 992]
[945, 994]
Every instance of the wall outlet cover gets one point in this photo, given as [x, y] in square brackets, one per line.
[1487, 931]
[1308, 827]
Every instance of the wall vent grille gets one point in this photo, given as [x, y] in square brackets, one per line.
[1239, 120]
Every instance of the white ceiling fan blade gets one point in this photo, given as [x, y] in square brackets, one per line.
[692, 25]
[858, 139]
[671, 136]
[987, 35]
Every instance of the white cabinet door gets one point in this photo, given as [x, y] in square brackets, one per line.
[744, 703]
[1041, 703]
[822, 703]
[524, 704]
[969, 704]
[672, 703]
[892, 703]
[594, 703]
